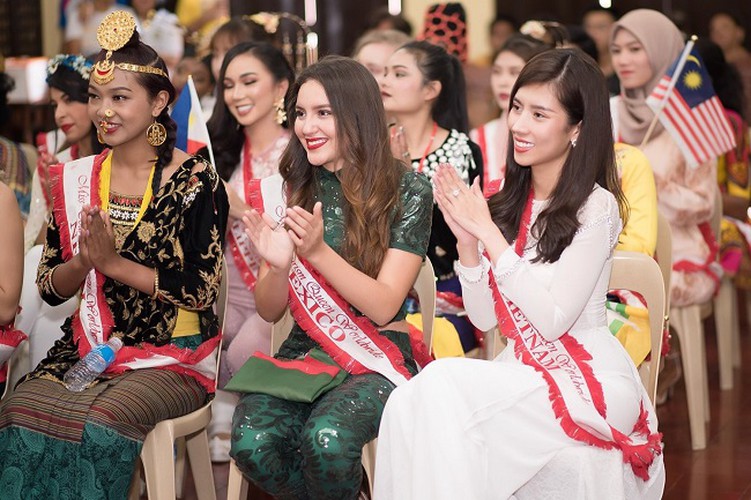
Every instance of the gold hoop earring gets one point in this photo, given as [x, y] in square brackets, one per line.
[281, 114]
[156, 134]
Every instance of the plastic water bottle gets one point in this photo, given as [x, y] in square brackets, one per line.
[87, 369]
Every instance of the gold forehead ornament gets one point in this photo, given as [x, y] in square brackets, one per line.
[114, 32]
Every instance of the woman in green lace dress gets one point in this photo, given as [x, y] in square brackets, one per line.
[357, 223]
[139, 230]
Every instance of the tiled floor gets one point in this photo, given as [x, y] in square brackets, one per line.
[720, 472]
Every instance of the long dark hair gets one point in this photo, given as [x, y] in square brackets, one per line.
[76, 87]
[371, 176]
[435, 64]
[137, 52]
[524, 47]
[580, 88]
[227, 136]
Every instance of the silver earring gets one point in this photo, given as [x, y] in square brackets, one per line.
[573, 143]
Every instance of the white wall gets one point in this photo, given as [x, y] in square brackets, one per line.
[51, 35]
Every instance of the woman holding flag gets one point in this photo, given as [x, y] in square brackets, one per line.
[248, 133]
[343, 232]
[139, 230]
[535, 259]
[644, 44]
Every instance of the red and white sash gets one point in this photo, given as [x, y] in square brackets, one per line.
[711, 266]
[352, 341]
[246, 258]
[78, 185]
[10, 337]
[44, 141]
[494, 165]
[575, 393]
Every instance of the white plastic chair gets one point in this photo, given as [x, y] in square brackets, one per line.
[727, 330]
[687, 323]
[640, 273]
[9, 369]
[164, 470]
[237, 487]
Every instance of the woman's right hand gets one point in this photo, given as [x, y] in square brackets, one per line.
[399, 144]
[44, 161]
[83, 257]
[270, 239]
[463, 237]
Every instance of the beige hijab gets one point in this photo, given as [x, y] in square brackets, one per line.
[663, 43]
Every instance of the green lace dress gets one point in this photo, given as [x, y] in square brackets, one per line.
[298, 450]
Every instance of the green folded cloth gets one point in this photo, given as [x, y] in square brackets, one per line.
[302, 380]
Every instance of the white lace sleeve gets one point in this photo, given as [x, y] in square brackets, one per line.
[553, 308]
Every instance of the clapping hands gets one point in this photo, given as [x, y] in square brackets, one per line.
[97, 240]
[464, 208]
[303, 236]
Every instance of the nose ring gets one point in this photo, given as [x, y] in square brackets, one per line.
[108, 113]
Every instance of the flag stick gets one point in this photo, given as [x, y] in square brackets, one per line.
[671, 86]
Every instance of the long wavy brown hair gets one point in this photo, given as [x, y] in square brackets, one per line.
[371, 176]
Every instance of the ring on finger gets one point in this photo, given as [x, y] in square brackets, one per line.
[455, 193]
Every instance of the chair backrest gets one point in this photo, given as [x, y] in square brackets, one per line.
[664, 255]
[640, 273]
[716, 220]
[425, 288]
[426, 292]
[221, 300]
[8, 366]
[220, 307]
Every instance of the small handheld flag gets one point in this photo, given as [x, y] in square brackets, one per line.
[686, 104]
[192, 133]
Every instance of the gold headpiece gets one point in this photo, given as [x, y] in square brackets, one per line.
[114, 32]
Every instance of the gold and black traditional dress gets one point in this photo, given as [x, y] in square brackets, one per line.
[59, 444]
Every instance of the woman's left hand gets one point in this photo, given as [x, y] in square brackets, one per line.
[101, 241]
[306, 229]
[465, 205]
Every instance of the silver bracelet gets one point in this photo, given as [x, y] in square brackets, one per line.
[459, 269]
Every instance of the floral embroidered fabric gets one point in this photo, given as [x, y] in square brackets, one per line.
[181, 234]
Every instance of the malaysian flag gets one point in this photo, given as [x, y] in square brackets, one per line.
[687, 106]
[192, 133]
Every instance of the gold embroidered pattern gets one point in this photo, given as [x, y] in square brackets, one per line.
[185, 245]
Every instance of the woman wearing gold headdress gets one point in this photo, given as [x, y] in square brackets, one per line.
[139, 230]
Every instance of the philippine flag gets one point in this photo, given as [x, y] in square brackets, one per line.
[192, 133]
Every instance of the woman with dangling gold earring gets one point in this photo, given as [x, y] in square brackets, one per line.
[248, 133]
[139, 230]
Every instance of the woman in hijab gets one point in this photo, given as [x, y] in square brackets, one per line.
[644, 43]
